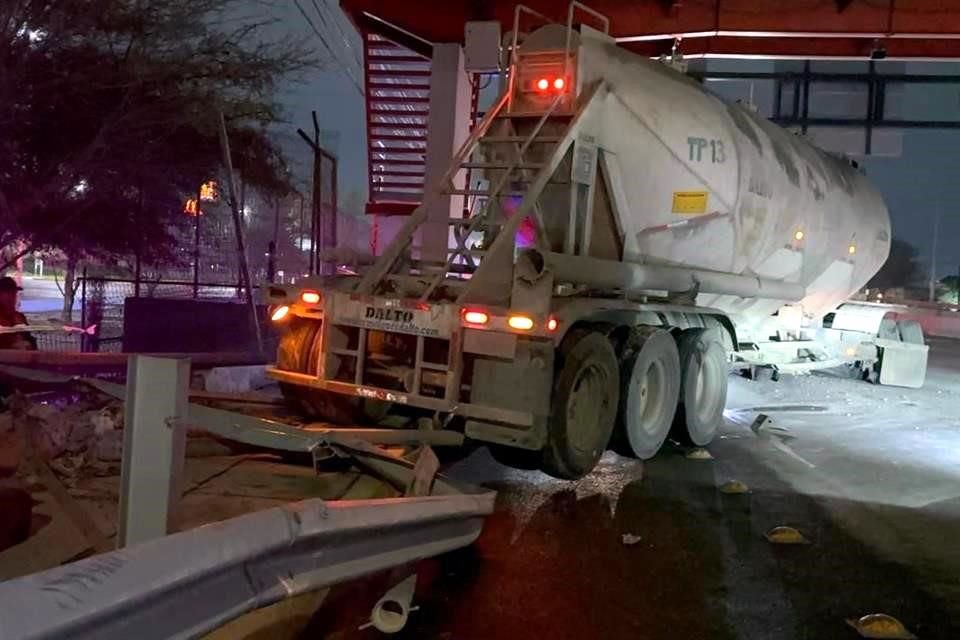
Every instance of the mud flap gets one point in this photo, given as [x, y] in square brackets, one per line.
[902, 364]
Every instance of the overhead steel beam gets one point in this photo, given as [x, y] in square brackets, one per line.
[828, 48]
[918, 29]
[825, 77]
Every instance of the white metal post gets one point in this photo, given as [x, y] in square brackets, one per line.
[154, 442]
[448, 128]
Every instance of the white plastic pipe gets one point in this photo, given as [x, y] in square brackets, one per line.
[390, 613]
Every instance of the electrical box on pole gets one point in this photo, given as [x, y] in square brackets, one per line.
[481, 48]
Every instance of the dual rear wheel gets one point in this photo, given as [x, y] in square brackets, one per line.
[299, 351]
[662, 384]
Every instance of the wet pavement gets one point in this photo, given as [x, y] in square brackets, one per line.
[870, 475]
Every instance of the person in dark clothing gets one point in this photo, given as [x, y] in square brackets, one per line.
[10, 317]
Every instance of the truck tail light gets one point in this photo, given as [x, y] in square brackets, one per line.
[475, 317]
[523, 323]
[543, 85]
[280, 313]
[310, 297]
[552, 324]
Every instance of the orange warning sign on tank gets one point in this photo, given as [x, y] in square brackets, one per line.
[690, 203]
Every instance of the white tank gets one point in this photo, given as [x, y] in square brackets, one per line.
[711, 185]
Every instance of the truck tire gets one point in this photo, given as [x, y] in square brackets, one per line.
[585, 395]
[703, 387]
[298, 351]
[649, 392]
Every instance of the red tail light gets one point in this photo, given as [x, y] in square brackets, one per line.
[558, 84]
[543, 84]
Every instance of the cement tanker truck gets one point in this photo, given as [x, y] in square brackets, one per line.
[632, 239]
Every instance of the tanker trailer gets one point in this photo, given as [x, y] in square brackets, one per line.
[632, 238]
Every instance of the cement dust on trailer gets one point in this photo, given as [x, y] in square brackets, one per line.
[674, 237]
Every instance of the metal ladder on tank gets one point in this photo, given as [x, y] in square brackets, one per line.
[396, 269]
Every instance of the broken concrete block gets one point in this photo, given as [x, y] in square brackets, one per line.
[236, 379]
[106, 419]
[41, 411]
[109, 446]
[68, 466]
[81, 433]
[48, 435]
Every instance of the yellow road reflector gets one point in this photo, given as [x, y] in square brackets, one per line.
[882, 627]
[786, 535]
[699, 454]
[734, 487]
[689, 203]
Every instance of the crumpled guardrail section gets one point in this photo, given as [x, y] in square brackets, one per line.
[189, 583]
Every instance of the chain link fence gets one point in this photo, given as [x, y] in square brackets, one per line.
[102, 303]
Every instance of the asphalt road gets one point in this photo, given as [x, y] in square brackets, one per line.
[870, 475]
[42, 295]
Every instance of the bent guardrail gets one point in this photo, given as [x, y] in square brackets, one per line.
[189, 583]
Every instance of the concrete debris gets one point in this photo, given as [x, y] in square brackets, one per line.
[765, 426]
[68, 466]
[78, 436]
[734, 487]
[699, 454]
[880, 626]
[80, 431]
[109, 446]
[786, 535]
[629, 539]
[107, 419]
[236, 379]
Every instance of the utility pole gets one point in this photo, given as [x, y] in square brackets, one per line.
[238, 229]
[196, 243]
[323, 226]
[301, 223]
[933, 260]
[272, 246]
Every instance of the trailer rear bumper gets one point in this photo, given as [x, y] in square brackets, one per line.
[511, 417]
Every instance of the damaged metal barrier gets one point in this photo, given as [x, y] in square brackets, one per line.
[187, 584]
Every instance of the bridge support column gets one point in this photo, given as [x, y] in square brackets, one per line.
[448, 128]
